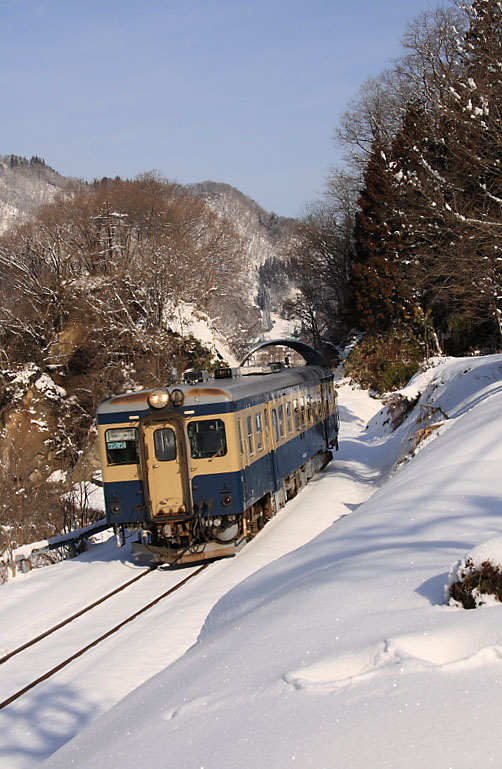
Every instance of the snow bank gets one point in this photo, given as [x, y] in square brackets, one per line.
[486, 551]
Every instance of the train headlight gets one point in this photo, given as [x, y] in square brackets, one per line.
[177, 397]
[158, 399]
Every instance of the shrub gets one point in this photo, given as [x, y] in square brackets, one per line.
[476, 582]
[385, 362]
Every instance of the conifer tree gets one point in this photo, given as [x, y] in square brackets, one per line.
[377, 284]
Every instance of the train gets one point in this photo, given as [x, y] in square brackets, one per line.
[197, 468]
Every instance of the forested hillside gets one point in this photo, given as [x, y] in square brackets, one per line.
[90, 290]
[407, 242]
[266, 238]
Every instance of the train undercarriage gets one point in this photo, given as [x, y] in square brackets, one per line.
[194, 538]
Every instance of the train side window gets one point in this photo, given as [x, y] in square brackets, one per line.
[275, 425]
[165, 444]
[250, 436]
[207, 439]
[309, 408]
[122, 446]
[266, 434]
[325, 406]
[297, 414]
[289, 419]
[259, 432]
[241, 442]
[281, 421]
[302, 411]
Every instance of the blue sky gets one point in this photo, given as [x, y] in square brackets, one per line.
[247, 92]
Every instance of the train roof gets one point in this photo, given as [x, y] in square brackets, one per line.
[228, 387]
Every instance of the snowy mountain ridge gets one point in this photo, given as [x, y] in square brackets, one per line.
[25, 185]
[266, 233]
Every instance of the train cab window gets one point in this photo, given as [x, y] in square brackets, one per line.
[259, 432]
[122, 446]
[207, 439]
[250, 436]
[165, 444]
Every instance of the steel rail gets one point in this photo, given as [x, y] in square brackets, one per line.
[73, 617]
[103, 637]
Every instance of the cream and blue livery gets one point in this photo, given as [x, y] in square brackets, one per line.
[198, 468]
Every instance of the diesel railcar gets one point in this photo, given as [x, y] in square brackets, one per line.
[197, 468]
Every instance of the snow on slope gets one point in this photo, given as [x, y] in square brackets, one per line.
[342, 653]
[35, 726]
[185, 318]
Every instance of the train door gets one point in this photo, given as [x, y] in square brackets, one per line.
[164, 459]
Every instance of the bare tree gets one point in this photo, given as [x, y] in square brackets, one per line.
[320, 257]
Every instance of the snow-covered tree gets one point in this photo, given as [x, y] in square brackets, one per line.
[319, 259]
[450, 175]
[427, 137]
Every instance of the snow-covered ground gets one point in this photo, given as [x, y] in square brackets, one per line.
[325, 643]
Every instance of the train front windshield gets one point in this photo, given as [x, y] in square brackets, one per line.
[122, 446]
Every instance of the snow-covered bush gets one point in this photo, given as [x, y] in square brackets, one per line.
[476, 579]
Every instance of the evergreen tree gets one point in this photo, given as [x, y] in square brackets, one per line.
[378, 282]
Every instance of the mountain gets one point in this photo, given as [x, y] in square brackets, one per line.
[36, 381]
[266, 236]
[266, 233]
[25, 185]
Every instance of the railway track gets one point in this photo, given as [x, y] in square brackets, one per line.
[73, 617]
[80, 652]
